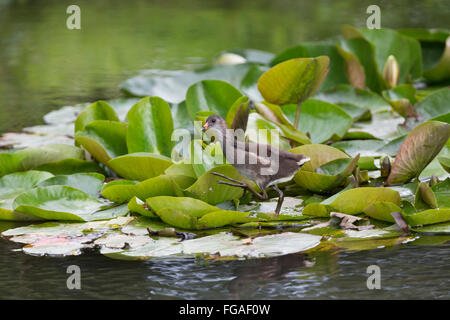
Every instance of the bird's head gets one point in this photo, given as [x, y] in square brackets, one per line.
[215, 122]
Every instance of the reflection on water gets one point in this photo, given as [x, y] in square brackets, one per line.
[407, 272]
[44, 66]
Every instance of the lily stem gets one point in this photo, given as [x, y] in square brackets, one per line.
[297, 115]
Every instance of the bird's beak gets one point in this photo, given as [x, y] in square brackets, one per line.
[205, 127]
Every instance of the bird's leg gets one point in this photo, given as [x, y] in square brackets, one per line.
[280, 199]
[240, 184]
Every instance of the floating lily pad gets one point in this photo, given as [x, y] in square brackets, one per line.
[442, 193]
[211, 95]
[315, 119]
[426, 217]
[207, 188]
[293, 80]
[139, 166]
[138, 206]
[417, 151]
[103, 139]
[150, 127]
[357, 200]
[224, 245]
[69, 166]
[425, 198]
[319, 154]
[382, 210]
[119, 191]
[91, 183]
[434, 105]
[64, 203]
[99, 110]
[31, 158]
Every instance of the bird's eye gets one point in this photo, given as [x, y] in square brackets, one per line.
[213, 120]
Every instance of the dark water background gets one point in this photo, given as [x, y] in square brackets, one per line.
[44, 66]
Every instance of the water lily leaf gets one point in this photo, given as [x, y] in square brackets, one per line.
[382, 210]
[317, 210]
[99, 110]
[163, 185]
[119, 191]
[211, 95]
[91, 183]
[69, 166]
[430, 216]
[435, 52]
[315, 119]
[417, 150]
[360, 62]
[262, 131]
[222, 218]
[442, 193]
[356, 200]
[14, 184]
[425, 198]
[103, 139]
[30, 158]
[434, 105]
[64, 203]
[207, 189]
[293, 80]
[406, 51]
[139, 206]
[181, 168]
[366, 148]
[204, 159]
[327, 177]
[192, 207]
[335, 76]
[435, 229]
[139, 166]
[237, 116]
[382, 126]
[402, 98]
[172, 86]
[349, 95]
[274, 134]
[26, 140]
[319, 154]
[274, 113]
[224, 245]
[150, 127]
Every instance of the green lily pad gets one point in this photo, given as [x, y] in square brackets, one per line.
[99, 110]
[207, 189]
[223, 245]
[434, 105]
[356, 200]
[194, 207]
[138, 206]
[14, 184]
[366, 148]
[69, 166]
[430, 216]
[103, 139]
[402, 98]
[417, 150]
[211, 95]
[435, 229]
[119, 191]
[442, 193]
[64, 203]
[327, 177]
[139, 166]
[293, 80]
[163, 185]
[425, 198]
[335, 76]
[382, 210]
[237, 116]
[150, 127]
[319, 154]
[91, 183]
[30, 158]
[348, 95]
[360, 63]
[316, 116]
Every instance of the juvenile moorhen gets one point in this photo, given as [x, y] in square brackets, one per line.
[264, 164]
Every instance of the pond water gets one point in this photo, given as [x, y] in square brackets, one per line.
[44, 66]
